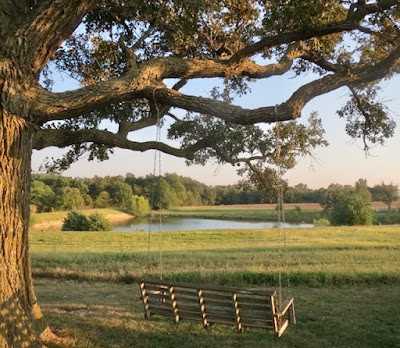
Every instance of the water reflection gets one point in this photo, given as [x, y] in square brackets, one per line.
[188, 224]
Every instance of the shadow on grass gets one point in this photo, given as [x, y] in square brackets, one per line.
[111, 315]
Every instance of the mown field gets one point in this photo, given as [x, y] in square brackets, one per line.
[346, 284]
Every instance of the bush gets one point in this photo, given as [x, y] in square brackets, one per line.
[98, 222]
[78, 222]
[75, 222]
[321, 222]
[352, 210]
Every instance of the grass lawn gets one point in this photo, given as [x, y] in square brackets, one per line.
[346, 284]
[92, 314]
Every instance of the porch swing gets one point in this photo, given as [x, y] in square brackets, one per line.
[210, 304]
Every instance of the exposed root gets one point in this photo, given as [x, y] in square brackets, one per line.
[48, 336]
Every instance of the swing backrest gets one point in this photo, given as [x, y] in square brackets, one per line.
[216, 304]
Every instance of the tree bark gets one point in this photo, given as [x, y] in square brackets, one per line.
[19, 311]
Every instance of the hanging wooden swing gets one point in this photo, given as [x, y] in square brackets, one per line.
[217, 304]
[259, 308]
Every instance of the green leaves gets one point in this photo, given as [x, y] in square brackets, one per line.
[367, 119]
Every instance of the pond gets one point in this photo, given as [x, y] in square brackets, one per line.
[187, 224]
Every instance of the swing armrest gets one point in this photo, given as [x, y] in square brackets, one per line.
[285, 307]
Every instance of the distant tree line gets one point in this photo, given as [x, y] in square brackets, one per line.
[51, 192]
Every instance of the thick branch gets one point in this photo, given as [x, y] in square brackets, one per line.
[71, 104]
[63, 138]
[49, 26]
[57, 106]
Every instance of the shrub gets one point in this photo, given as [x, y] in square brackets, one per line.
[98, 222]
[78, 222]
[352, 210]
[321, 222]
[75, 222]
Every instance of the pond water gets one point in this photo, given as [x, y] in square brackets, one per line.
[187, 224]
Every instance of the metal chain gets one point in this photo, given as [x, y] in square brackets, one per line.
[282, 237]
[158, 152]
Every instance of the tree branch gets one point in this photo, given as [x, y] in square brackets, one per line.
[71, 104]
[52, 23]
[63, 138]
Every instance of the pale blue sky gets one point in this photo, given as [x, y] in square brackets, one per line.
[343, 161]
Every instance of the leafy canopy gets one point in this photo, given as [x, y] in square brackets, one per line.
[133, 60]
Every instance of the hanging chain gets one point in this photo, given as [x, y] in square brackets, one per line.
[282, 237]
[157, 156]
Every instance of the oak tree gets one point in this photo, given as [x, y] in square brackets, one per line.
[133, 60]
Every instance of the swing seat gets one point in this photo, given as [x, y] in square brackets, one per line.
[217, 304]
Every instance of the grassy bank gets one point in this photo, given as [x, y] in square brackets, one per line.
[54, 220]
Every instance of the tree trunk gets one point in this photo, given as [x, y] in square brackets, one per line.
[19, 310]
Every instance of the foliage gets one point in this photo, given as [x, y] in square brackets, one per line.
[97, 222]
[102, 200]
[222, 39]
[42, 196]
[352, 209]
[387, 193]
[69, 198]
[76, 221]
[388, 217]
[139, 205]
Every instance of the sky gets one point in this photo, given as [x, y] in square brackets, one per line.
[342, 162]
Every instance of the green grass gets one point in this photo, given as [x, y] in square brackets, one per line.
[111, 315]
[317, 257]
[345, 282]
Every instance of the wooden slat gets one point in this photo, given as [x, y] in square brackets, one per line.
[158, 297]
[266, 324]
[218, 296]
[285, 306]
[283, 328]
[156, 287]
[184, 291]
[257, 316]
[225, 314]
[221, 319]
[190, 316]
[263, 292]
[216, 303]
[161, 311]
[188, 307]
[254, 307]
[254, 300]
[160, 304]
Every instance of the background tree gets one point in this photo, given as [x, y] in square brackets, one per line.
[386, 193]
[42, 196]
[139, 205]
[125, 55]
[69, 198]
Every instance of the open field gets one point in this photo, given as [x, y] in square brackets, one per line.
[345, 282]
[317, 256]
